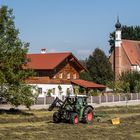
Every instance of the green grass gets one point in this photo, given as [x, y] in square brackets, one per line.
[38, 125]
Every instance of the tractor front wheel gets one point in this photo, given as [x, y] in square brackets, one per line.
[74, 119]
[88, 115]
[56, 117]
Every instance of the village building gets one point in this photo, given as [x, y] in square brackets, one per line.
[126, 54]
[56, 73]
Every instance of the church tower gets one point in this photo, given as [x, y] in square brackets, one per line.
[118, 38]
[118, 47]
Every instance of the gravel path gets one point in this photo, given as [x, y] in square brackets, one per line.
[121, 103]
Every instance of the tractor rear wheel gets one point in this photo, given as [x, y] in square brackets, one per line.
[56, 117]
[74, 118]
[88, 115]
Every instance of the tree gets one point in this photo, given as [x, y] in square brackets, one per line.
[83, 62]
[49, 91]
[12, 58]
[133, 79]
[137, 86]
[99, 67]
[85, 76]
[76, 89]
[128, 32]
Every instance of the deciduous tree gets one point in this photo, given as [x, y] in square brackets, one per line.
[12, 58]
[133, 79]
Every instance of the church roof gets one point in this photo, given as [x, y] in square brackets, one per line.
[132, 50]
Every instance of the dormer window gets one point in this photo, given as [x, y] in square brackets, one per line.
[61, 75]
[68, 76]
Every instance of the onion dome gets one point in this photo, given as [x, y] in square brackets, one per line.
[118, 24]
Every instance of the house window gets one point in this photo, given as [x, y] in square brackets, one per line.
[53, 91]
[68, 91]
[40, 90]
[61, 75]
[54, 77]
[68, 76]
[74, 76]
[40, 73]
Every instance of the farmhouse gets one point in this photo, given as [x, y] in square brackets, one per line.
[126, 55]
[56, 73]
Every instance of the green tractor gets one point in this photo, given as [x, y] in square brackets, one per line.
[72, 109]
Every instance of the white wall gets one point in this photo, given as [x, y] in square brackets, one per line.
[118, 39]
[135, 68]
[46, 87]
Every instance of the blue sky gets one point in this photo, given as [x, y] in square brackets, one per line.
[78, 26]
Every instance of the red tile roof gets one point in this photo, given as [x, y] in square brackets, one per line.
[46, 61]
[132, 49]
[87, 84]
[49, 61]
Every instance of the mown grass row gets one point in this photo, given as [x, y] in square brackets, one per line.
[106, 113]
[37, 124]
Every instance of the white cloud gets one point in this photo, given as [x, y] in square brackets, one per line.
[82, 54]
[52, 50]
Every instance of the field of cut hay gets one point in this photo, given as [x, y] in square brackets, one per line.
[38, 125]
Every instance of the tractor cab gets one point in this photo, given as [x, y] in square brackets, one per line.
[80, 99]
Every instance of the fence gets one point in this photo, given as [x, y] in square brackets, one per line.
[113, 98]
[95, 99]
[44, 100]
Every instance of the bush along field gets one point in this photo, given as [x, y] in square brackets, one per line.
[38, 124]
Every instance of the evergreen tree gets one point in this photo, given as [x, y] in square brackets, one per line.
[86, 76]
[12, 58]
[128, 32]
[99, 67]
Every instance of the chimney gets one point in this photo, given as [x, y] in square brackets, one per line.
[43, 51]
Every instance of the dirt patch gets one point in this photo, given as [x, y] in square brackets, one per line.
[14, 111]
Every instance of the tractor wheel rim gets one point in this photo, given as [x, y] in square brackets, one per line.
[76, 120]
[89, 116]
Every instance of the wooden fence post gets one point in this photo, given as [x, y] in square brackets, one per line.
[119, 98]
[130, 96]
[91, 99]
[99, 99]
[106, 99]
[113, 97]
[45, 100]
[137, 96]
